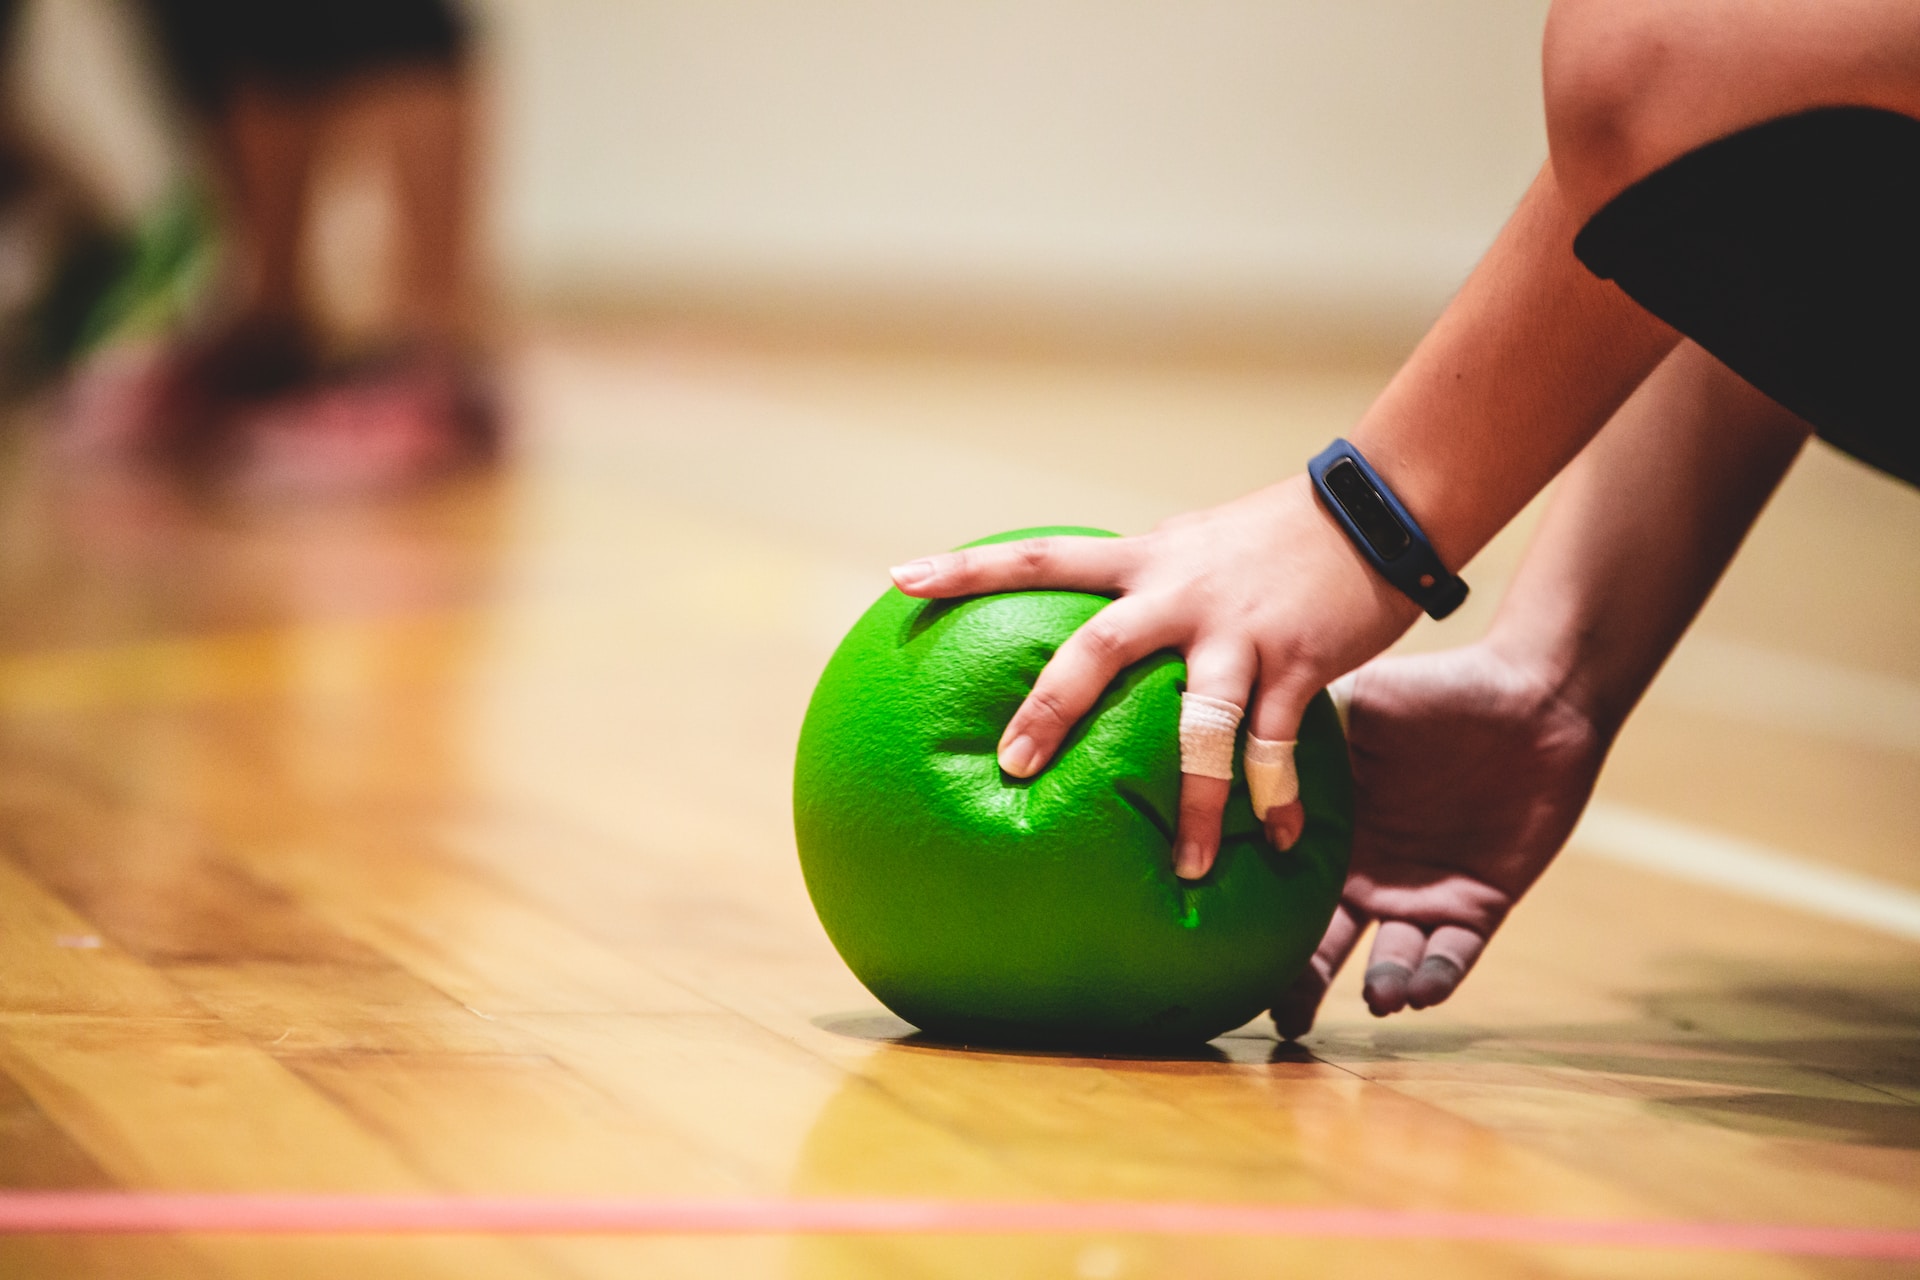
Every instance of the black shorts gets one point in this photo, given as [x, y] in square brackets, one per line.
[1791, 251]
[296, 45]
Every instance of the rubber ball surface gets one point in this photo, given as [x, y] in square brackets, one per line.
[986, 909]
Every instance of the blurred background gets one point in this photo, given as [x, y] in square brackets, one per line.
[1253, 174]
[443, 446]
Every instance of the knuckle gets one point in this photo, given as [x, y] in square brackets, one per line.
[1103, 641]
[1203, 799]
[955, 565]
[1198, 819]
[1035, 555]
[1046, 706]
[1290, 666]
[1286, 652]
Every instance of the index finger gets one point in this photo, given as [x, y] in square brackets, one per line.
[1064, 561]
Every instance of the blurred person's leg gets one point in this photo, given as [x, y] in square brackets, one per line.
[156, 393]
[272, 84]
[264, 140]
[420, 400]
[429, 116]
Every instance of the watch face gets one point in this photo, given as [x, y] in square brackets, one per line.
[1367, 509]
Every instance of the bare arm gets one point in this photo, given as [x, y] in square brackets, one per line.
[1265, 593]
[1471, 766]
[1641, 530]
[1525, 365]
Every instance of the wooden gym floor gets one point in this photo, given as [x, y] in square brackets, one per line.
[442, 845]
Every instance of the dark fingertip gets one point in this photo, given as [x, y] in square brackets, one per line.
[1386, 988]
[1294, 1011]
[1433, 981]
[1293, 1021]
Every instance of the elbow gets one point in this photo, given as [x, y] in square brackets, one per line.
[1607, 68]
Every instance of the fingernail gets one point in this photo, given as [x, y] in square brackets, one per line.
[1190, 861]
[1285, 824]
[912, 573]
[1433, 981]
[1018, 757]
[1386, 988]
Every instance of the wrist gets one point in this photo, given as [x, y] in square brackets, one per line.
[1381, 527]
[1329, 611]
[1436, 489]
[1565, 665]
[1357, 576]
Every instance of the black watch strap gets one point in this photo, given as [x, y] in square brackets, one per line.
[1385, 531]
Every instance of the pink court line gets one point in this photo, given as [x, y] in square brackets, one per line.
[113, 1212]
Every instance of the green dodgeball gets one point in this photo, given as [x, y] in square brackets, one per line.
[1043, 912]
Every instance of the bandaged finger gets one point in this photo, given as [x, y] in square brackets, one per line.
[1271, 778]
[1207, 729]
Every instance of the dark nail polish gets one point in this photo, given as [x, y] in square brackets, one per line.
[1386, 988]
[1433, 981]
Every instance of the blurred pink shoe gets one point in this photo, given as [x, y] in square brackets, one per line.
[378, 428]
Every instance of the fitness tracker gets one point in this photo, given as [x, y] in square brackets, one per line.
[1386, 533]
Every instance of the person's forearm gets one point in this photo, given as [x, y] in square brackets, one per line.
[1528, 361]
[1638, 533]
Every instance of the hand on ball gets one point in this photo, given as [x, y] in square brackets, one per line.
[1264, 596]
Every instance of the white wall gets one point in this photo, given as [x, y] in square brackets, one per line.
[1337, 156]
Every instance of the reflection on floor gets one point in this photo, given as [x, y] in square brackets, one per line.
[381, 848]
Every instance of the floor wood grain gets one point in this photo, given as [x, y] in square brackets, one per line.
[442, 844]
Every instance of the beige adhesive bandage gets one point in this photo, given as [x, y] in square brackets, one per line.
[1271, 777]
[1207, 726]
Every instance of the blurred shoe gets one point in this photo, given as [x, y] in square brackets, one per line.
[176, 399]
[377, 427]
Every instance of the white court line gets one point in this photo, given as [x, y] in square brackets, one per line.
[1758, 685]
[1686, 852]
